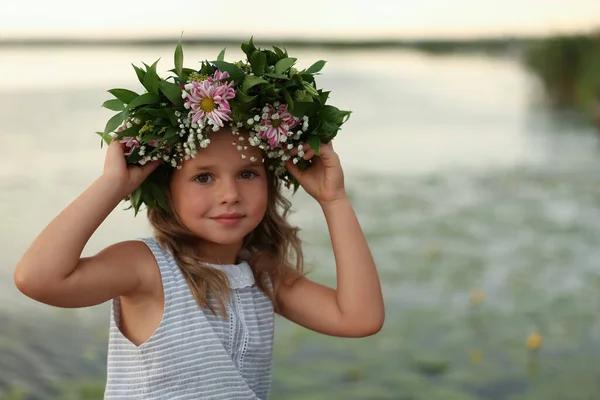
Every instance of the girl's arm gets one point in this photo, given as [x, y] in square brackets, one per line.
[52, 270]
[356, 307]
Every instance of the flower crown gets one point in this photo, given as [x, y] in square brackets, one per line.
[264, 100]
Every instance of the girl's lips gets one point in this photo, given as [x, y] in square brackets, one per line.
[228, 219]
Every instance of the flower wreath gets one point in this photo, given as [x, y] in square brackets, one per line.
[265, 100]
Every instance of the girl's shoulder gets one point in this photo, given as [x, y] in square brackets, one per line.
[137, 254]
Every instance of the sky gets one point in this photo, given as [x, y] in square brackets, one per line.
[324, 19]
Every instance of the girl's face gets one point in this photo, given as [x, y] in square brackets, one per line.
[219, 196]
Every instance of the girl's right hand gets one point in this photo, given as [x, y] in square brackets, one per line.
[126, 177]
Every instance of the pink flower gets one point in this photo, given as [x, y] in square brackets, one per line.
[130, 144]
[208, 99]
[278, 123]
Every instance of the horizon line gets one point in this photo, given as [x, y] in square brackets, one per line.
[297, 42]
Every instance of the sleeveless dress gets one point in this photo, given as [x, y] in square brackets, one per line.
[194, 354]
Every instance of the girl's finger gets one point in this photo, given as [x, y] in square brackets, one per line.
[309, 154]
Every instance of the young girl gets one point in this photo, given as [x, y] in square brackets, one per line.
[193, 306]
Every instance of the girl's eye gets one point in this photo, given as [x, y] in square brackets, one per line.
[248, 174]
[204, 178]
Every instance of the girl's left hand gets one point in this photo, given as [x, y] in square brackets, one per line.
[324, 178]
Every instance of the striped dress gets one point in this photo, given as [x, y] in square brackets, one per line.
[194, 354]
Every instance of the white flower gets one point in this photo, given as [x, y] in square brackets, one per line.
[243, 156]
[252, 159]
[276, 104]
[239, 147]
[295, 160]
[250, 121]
[290, 146]
[241, 138]
[257, 117]
[275, 116]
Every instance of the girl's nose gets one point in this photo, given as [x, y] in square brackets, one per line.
[229, 192]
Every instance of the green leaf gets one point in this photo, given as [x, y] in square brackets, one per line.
[114, 104]
[280, 53]
[301, 109]
[172, 91]
[115, 122]
[316, 67]
[314, 142]
[276, 76]
[244, 98]
[129, 132]
[248, 48]
[146, 98]
[234, 72]
[140, 73]
[151, 79]
[310, 89]
[323, 96]
[106, 138]
[185, 73]
[251, 81]
[125, 95]
[288, 98]
[284, 64]
[221, 56]
[258, 62]
[306, 77]
[158, 195]
[135, 198]
[178, 58]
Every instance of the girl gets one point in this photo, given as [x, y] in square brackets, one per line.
[193, 306]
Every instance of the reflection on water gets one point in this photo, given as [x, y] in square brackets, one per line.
[460, 185]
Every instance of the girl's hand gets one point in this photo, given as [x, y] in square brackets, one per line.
[126, 177]
[324, 178]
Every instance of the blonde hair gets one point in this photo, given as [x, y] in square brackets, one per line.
[274, 245]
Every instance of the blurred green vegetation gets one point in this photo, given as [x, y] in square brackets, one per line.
[568, 68]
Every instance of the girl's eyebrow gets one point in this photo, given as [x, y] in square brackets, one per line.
[209, 167]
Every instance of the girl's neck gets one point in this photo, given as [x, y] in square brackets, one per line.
[220, 254]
